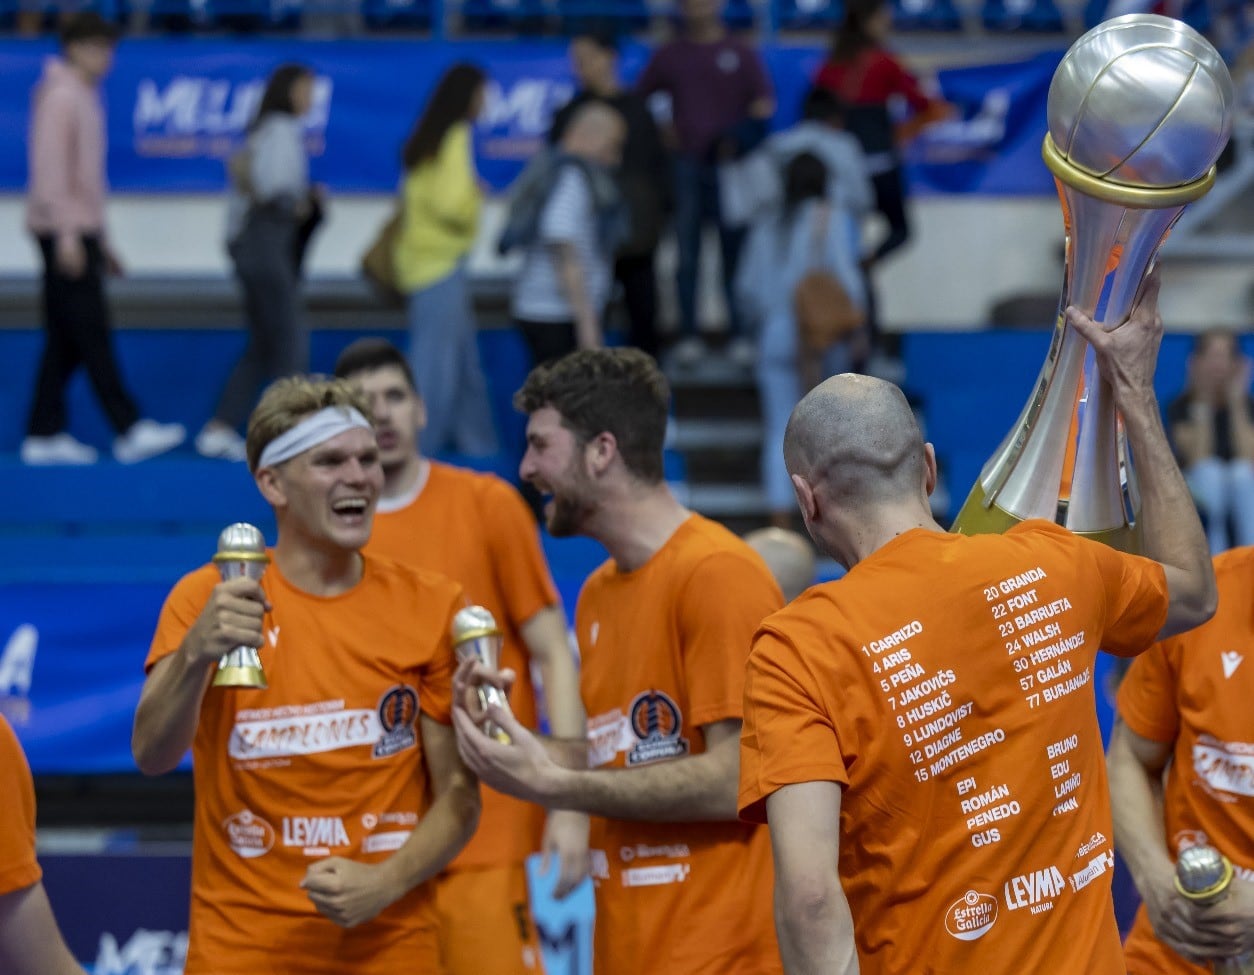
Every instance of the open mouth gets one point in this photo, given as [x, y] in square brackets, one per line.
[352, 509]
[386, 439]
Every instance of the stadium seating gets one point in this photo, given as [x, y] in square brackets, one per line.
[808, 14]
[937, 15]
[1021, 15]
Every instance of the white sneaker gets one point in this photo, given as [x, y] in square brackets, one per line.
[743, 353]
[221, 443]
[147, 438]
[61, 448]
[688, 352]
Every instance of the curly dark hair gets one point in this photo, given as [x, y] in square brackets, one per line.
[617, 391]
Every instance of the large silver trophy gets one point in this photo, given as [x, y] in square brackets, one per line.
[476, 636]
[241, 554]
[1139, 110]
[1203, 875]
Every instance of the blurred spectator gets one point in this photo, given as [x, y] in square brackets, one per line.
[30, 942]
[66, 214]
[718, 89]
[789, 555]
[439, 224]
[270, 200]
[1212, 429]
[867, 79]
[753, 188]
[805, 233]
[568, 214]
[644, 176]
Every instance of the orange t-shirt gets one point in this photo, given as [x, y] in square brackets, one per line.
[1194, 690]
[477, 529]
[326, 761]
[664, 651]
[18, 866]
[947, 684]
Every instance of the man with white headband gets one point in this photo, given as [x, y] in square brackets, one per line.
[327, 799]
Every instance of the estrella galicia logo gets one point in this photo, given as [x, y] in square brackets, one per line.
[398, 713]
[656, 722]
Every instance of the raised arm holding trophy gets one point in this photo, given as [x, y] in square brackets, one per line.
[1139, 110]
[920, 735]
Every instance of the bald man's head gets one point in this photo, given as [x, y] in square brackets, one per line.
[596, 131]
[855, 439]
[789, 556]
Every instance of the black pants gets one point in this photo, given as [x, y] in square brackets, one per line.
[278, 338]
[639, 283]
[890, 201]
[77, 327]
[547, 340]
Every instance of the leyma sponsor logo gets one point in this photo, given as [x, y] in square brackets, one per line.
[206, 115]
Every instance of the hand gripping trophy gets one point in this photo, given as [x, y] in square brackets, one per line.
[1139, 110]
[476, 636]
[1203, 875]
[241, 553]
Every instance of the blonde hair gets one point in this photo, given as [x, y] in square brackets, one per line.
[289, 400]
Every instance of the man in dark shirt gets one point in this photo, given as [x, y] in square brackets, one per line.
[716, 85]
[644, 175]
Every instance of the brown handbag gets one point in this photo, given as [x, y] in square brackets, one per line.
[377, 263]
[824, 311]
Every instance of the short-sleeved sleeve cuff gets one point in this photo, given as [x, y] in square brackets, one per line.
[19, 876]
[1146, 699]
[788, 737]
[751, 802]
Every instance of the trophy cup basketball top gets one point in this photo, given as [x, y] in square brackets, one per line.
[1139, 110]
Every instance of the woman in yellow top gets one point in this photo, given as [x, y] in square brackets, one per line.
[441, 218]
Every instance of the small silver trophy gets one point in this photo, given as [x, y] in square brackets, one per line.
[241, 554]
[1203, 875]
[476, 636]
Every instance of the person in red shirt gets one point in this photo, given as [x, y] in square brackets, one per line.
[30, 943]
[867, 79]
[920, 735]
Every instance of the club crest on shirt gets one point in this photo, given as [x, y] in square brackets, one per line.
[398, 714]
[656, 722]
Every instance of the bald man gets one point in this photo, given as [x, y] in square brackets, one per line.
[789, 557]
[920, 735]
[564, 286]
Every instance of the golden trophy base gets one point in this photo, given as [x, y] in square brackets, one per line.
[240, 677]
[978, 517]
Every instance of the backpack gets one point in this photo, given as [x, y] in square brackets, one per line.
[824, 311]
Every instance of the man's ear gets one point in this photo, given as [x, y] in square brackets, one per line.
[270, 484]
[806, 499]
[599, 453]
[929, 464]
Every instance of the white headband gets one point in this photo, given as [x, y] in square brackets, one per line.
[317, 428]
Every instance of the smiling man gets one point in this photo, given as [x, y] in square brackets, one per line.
[477, 529]
[326, 800]
[664, 629]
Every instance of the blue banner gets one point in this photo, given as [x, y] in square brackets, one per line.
[178, 107]
[71, 669]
